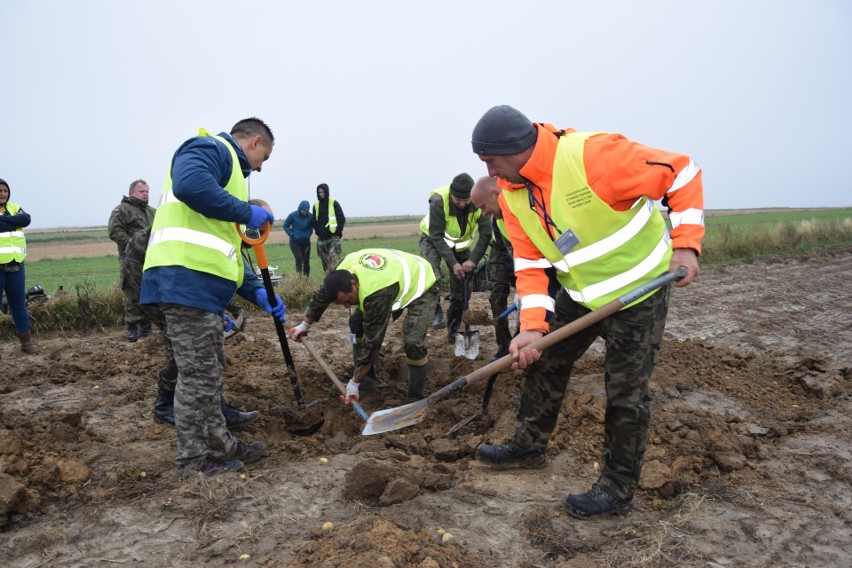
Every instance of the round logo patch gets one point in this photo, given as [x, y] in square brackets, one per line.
[373, 261]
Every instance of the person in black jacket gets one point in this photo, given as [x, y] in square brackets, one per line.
[329, 221]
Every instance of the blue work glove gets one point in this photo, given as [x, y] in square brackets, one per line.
[259, 216]
[278, 311]
[227, 322]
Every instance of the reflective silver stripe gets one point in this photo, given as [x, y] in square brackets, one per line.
[538, 301]
[454, 244]
[595, 291]
[421, 281]
[198, 238]
[10, 234]
[613, 241]
[689, 217]
[168, 197]
[685, 176]
[12, 250]
[525, 264]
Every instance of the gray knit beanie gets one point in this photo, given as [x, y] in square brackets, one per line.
[503, 131]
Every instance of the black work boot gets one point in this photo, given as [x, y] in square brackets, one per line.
[416, 383]
[132, 332]
[248, 453]
[212, 466]
[454, 320]
[438, 318]
[144, 329]
[236, 418]
[596, 503]
[164, 408]
[510, 455]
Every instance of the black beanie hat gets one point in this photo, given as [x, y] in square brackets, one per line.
[461, 186]
[503, 131]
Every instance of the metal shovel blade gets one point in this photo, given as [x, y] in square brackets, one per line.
[467, 344]
[396, 418]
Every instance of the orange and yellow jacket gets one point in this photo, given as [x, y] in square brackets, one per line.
[620, 173]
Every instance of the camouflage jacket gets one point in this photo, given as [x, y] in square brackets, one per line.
[130, 216]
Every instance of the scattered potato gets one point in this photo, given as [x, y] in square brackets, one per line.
[323, 460]
[446, 537]
[327, 526]
[440, 531]
[245, 556]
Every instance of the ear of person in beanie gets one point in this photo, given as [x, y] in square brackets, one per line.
[461, 186]
[503, 131]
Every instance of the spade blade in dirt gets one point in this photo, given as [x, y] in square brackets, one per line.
[415, 412]
[467, 344]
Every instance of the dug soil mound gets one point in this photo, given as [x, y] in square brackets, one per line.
[748, 461]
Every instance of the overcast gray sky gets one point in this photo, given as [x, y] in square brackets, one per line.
[378, 98]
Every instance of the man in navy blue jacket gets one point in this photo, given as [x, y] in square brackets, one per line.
[192, 270]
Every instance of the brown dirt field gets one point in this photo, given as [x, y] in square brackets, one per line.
[107, 247]
[748, 462]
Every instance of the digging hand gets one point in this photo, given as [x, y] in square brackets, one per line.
[227, 322]
[352, 394]
[278, 310]
[299, 331]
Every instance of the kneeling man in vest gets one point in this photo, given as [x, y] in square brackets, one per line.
[380, 283]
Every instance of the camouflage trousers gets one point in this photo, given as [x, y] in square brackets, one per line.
[198, 342]
[131, 284]
[418, 318]
[500, 280]
[454, 311]
[329, 253]
[633, 339]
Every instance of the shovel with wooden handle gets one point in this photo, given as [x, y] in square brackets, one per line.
[415, 412]
[304, 418]
[328, 371]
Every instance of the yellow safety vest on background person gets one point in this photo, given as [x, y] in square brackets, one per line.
[13, 244]
[181, 236]
[453, 236]
[501, 226]
[616, 250]
[332, 217]
[379, 268]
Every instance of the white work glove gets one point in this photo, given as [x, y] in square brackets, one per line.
[299, 331]
[351, 393]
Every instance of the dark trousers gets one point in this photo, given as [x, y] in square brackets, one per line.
[13, 284]
[633, 338]
[302, 253]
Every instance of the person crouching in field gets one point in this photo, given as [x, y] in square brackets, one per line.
[380, 284]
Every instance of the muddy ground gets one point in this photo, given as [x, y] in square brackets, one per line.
[748, 462]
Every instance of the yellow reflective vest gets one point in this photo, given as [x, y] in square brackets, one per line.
[453, 236]
[379, 268]
[13, 244]
[616, 250]
[181, 236]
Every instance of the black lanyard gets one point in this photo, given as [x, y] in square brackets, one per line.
[540, 210]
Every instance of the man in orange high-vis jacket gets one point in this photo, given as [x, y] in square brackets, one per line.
[579, 208]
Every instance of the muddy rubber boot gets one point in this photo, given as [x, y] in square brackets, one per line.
[368, 383]
[27, 345]
[416, 383]
[164, 408]
[144, 329]
[236, 418]
[454, 320]
[438, 318]
[132, 332]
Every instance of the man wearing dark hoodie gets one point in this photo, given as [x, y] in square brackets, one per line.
[329, 221]
[299, 225]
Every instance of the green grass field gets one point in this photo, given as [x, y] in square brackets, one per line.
[729, 238]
